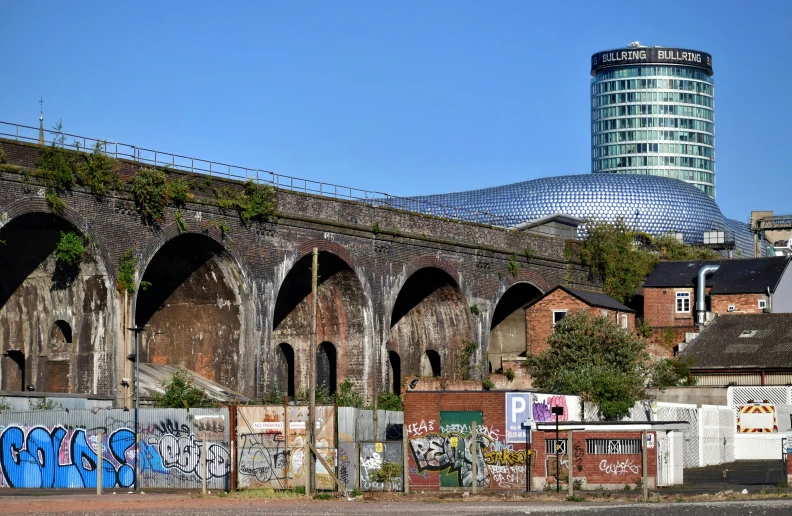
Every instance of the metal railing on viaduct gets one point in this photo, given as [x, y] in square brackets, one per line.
[156, 158]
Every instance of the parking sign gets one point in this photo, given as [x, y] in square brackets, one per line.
[518, 409]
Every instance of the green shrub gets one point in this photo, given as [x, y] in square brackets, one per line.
[100, 171]
[388, 473]
[179, 192]
[644, 328]
[465, 361]
[375, 228]
[475, 310]
[56, 163]
[513, 266]
[180, 392]
[528, 253]
[509, 374]
[487, 384]
[152, 193]
[390, 401]
[4, 404]
[54, 201]
[69, 249]
[323, 496]
[346, 397]
[45, 404]
[255, 202]
[2, 155]
[126, 273]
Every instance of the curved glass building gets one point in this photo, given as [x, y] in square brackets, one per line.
[653, 113]
[656, 205]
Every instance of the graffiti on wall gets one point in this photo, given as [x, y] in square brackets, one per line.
[184, 454]
[372, 456]
[619, 467]
[499, 465]
[60, 458]
[542, 405]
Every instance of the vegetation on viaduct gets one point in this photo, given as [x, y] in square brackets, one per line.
[218, 272]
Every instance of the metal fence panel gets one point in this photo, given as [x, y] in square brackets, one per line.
[372, 457]
[348, 464]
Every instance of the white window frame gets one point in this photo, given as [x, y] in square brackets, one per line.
[558, 312]
[605, 314]
[624, 321]
[762, 303]
[685, 298]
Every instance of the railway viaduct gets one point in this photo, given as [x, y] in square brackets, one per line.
[399, 292]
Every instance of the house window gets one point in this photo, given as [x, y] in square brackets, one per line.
[605, 314]
[558, 315]
[682, 302]
[624, 321]
[762, 304]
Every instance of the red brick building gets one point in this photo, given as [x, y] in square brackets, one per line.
[543, 314]
[751, 286]
[438, 427]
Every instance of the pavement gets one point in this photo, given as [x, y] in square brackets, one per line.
[192, 505]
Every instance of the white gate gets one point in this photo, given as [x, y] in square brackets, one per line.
[663, 460]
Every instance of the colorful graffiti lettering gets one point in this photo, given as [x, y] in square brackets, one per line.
[452, 453]
[184, 454]
[619, 467]
[542, 409]
[421, 428]
[505, 457]
[52, 459]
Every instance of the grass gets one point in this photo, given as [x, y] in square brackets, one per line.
[268, 494]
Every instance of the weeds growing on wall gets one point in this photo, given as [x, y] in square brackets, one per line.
[255, 202]
[181, 392]
[465, 360]
[151, 192]
[644, 328]
[126, 273]
[2, 156]
[487, 384]
[513, 266]
[475, 310]
[45, 404]
[4, 404]
[375, 228]
[528, 253]
[69, 249]
[509, 374]
[56, 163]
[321, 396]
[179, 192]
[181, 224]
[99, 172]
[346, 397]
[54, 201]
[388, 473]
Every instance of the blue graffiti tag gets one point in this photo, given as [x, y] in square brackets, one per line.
[34, 460]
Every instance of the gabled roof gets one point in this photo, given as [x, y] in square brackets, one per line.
[591, 298]
[746, 341]
[753, 275]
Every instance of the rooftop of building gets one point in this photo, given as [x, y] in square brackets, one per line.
[744, 341]
[591, 298]
[742, 276]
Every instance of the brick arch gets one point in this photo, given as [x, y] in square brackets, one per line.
[428, 261]
[171, 231]
[28, 206]
[527, 276]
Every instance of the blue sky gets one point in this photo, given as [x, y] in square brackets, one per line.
[408, 97]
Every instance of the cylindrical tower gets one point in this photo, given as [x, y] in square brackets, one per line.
[653, 113]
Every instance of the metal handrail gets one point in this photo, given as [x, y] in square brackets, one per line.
[156, 158]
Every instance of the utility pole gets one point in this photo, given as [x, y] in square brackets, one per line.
[312, 360]
[136, 330]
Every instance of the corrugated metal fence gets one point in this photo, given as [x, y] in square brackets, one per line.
[361, 453]
[58, 448]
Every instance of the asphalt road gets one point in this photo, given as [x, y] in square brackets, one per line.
[185, 506]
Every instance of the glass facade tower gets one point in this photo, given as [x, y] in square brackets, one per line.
[653, 113]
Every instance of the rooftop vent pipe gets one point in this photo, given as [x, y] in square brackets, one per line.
[701, 291]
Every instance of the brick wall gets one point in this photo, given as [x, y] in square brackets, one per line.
[743, 303]
[502, 465]
[539, 317]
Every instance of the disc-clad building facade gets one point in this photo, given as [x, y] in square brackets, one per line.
[653, 113]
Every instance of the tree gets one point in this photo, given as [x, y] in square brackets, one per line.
[594, 358]
[676, 249]
[181, 393]
[609, 249]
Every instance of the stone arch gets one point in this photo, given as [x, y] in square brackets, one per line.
[415, 265]
[430, 313]
[394, 372]
[283, 369]
[344, 315]
[56, 371]
[197, 311]
[508, 324]
[327, 367]
[431, 363]
[35, 291]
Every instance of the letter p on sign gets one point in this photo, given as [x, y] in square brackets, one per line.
[518, 409]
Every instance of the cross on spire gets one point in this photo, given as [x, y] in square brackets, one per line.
[41, 122]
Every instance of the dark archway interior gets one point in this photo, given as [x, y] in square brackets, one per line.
[430, 312]
[326, 367]
[341, 303]
[33, 287]
[430, 363]
[394, 370]
[284, 368]
[508, 329]
[192, 309]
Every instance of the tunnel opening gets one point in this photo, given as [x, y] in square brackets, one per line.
[284, 369]
[341, 306]
[508, 330]
[33, 289]
[394, 372]
[430, 314]
[193, 310]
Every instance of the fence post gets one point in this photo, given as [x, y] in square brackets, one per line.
[307, 460]
[406, 460]
[475, 455]
[99, 461]
[203, 465]
[644, 477]
[570, 463]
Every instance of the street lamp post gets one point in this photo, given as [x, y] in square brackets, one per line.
[137, 331]
[557, 411]
[527, 425]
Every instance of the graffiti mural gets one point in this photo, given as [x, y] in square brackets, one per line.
[59, 458]
[184, 454]
[619, 467]
[542, 405]
[372, 455]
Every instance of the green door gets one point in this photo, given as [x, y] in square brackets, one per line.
[456, 427]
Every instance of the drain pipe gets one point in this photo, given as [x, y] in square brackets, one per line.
[701, 292]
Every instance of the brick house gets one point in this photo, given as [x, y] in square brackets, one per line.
[544, 313]
[751, 286]
[743, 349]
